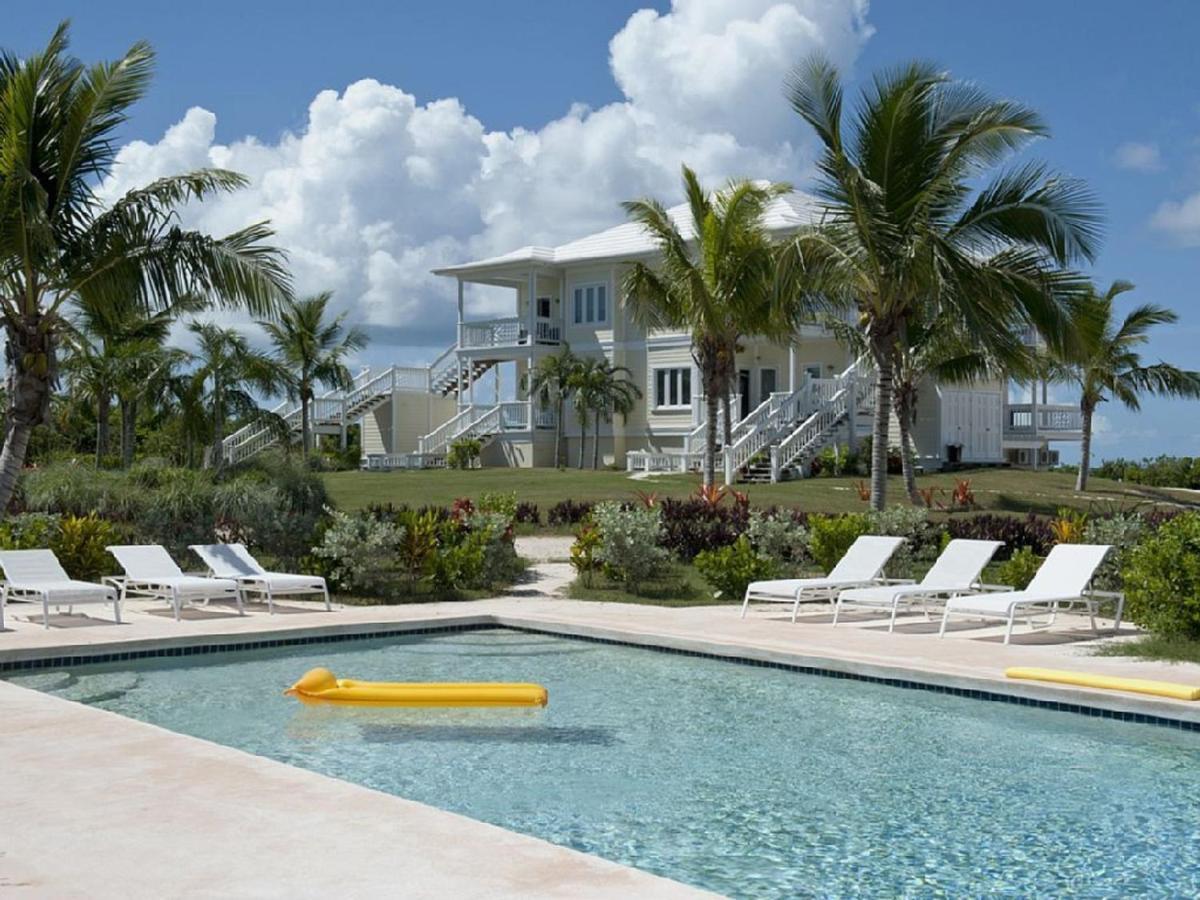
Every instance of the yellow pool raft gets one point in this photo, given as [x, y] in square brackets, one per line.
[322, 686]
[1108, 682]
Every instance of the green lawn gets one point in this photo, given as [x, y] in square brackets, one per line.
[1155, 647]
[681, 585]
[1007, 490]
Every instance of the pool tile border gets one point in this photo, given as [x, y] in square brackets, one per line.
[232, 646]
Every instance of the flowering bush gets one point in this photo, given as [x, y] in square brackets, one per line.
[629, 542]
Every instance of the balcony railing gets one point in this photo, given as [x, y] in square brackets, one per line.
[508, 332]
[1050, 418]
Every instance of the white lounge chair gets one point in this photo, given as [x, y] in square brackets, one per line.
[38, 575]
[860, 567]
[956, 571]
[150, 572]
[234, 561]
[1061, 582]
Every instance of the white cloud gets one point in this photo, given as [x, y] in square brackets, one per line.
[376, 189]
[1138, 156]
[1180, 219]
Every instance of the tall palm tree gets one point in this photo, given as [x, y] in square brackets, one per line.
[902, 224]
[717, 278]
[311, 351]
[551, 379]
[58, 125]
[1106, 365]
[582, 387]
[230, 372]
[604, 390]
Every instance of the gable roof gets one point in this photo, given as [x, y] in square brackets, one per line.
[782, 214]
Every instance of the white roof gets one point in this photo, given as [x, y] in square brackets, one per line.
[782, 214]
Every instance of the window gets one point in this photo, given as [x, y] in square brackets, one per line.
[590, 303]
[673, 388]
[543, 307]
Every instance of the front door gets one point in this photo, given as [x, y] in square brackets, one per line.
[744, 391]
[766, 384]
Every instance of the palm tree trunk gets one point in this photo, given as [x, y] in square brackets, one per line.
[305, 425]
[712, 403]
[558, 432]
[217, 452]
[128, 409]
[905, 414]
[1085, 448]
[879, 429]
[582, 435]
[28, 399]
[596, 443]
[103, 426]
[727, 433]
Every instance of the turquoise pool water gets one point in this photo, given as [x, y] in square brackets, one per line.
[748, 781]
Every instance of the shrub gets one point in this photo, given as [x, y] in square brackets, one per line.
[361, 551]
[464, 453]
[584, 552]
[500, 564]
[629, 543]
[922, 541]
[1162, 579]
[731, 569]
[1122, 532]
[527, 514]
[1031, 532]
[28, 531]
[1019, 569]
[417, 543]
[456, 565]
[498, 502]
[777, 537]
[829, 537]
[690, 526]
[80, 542]
[568, 512]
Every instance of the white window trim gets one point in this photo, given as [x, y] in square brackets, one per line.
[608, 303]
[653, 388]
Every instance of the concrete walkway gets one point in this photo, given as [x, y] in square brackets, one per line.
[105, 806]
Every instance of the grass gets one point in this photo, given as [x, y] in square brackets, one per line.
[998, 490]
[1156, 647]
[680, 586]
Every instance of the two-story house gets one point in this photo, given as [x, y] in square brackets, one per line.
[790, 401]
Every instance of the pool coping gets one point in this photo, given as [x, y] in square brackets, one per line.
[1141, 709]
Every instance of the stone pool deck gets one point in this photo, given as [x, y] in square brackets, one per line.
[100, 805]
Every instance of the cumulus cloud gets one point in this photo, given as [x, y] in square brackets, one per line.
[1138, 156]
[376, 189]
[1179, 219]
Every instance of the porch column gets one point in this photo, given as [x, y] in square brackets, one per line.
[532, 303]
[460, 312]
[496, 384]
[470, 382]
[791, 367]
[529, 403]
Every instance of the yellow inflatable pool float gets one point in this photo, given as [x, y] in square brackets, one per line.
[322, 686]
[1108, 682]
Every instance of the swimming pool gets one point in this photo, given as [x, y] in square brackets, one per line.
[743, 780]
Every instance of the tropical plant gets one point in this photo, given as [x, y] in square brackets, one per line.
[464, 453]
[731, 569]
[829, 537]
[1069, 526]
[629, 548]
[584, 553]
[1105, 363]
[1018, 570]
[58, 123]
[603, 391]
[902, 226]
[231, 373]
[718, 279]
[551, 380]
[311, 350]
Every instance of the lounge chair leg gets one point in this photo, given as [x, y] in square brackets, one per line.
[1008, 630]
[46, 611]
[945, 618]
[892, 621]
[117, 608]
[328, 605]
[270, 602]
[837, 608]
[175, 602]
[3, 601]
[239, 598]
[1116, 621]
[745, 601]
[796, 607]
[1092, 616]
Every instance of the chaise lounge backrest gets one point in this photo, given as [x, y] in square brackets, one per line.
[228, 560]
[1067, 571]
[959, 565]
[145, 562]
[866, 558]
[32, 567]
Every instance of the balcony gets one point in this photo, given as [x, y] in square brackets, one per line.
[508, 332]
[1053, 420]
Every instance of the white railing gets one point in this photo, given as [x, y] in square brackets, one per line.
[695, 440]
[545, 417]
[1054, 417]
[443, 371]
[662, 461]
[835, 399]
[439, 439]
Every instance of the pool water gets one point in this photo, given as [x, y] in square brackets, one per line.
[748, 781]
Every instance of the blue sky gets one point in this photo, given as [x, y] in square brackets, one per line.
[1116, 83]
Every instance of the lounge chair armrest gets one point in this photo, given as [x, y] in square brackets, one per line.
[116, 581]
[895, 581]
[997, 588]
[1107, 595]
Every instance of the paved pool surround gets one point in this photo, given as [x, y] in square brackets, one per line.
[110, 806]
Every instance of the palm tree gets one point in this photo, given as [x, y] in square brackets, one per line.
[58, 124]
[604, 390]
[230, 372]
[551, 379]
[309, 351]
[1106, 365]
[582, 386]
[719, 281]
[902, 225]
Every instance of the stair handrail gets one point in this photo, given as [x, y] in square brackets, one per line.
[447, 359]
[834, 394]
[438, 439]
